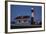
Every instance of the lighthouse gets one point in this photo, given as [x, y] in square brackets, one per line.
[32, 16]
[32, 10]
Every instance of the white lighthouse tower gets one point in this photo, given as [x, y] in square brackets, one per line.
[32, 9]
[32, 16]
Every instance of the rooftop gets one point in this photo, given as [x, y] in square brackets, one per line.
[22, 17]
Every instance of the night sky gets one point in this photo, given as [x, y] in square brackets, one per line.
[22, 10]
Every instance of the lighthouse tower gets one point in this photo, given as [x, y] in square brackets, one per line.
[32, 18]
[32, 10]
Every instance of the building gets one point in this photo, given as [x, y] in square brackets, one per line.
[23, 20]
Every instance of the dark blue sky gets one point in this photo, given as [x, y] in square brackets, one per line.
[22, 10]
